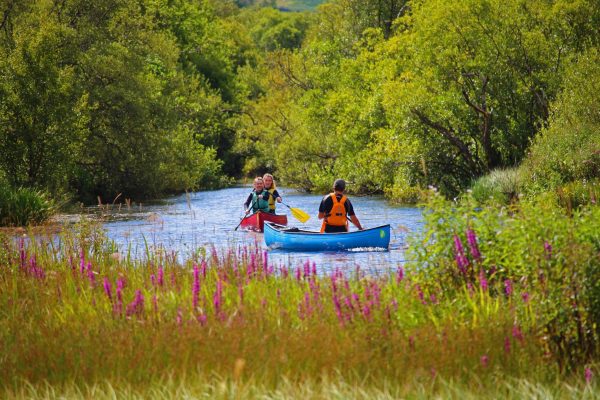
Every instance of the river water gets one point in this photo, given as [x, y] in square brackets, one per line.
[189, 222]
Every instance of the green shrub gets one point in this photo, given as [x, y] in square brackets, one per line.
[24, 206]
[569, 148]
[501, 185]
[579, 193]
[550, 257]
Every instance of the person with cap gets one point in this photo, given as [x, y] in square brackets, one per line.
[336, 209]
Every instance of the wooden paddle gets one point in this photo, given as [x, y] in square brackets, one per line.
[298, 213]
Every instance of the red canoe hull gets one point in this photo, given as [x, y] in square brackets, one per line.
[256, 221]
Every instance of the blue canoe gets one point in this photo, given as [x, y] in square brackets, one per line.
[285, 238]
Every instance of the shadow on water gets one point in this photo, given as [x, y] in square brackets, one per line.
[197, 222]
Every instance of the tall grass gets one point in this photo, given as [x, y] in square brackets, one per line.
[75, 317]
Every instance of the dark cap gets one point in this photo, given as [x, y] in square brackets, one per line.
[339, 184]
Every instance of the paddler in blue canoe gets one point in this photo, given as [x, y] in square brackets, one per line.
[336, 209]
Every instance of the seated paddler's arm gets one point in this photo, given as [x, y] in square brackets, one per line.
[356, 222]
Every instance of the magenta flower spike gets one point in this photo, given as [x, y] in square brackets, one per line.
[508, 289]
[483, 280]
[265, 259]
[461, 260]
[506, 345]
[588, 375]
[338, 309]
[525, 297]
[485, 360]
[472, 242]
[366, 311]
[90, 274]
[548, 250]
[298, 274]
[217, 300]
[203, 269]
[399, 274]
[306, 269]
[517, 334]
[196, 287]
[82, 262]
[161, 276]
[108, 289]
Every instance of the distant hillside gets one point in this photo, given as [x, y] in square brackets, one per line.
[298, 5]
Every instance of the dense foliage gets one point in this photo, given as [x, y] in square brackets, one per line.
[444, 94]
[111, 97]
[147, 97]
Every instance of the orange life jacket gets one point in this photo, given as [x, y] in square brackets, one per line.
[337, 215]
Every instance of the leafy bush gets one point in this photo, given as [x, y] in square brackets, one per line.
[569, 149]
[579, 193]
[23, 206]
[533, 251]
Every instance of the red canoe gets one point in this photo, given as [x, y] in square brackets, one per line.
[256, 221]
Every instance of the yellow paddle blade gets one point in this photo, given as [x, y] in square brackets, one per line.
[299, 214]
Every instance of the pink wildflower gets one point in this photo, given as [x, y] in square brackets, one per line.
[196, 287]
[508, 289]
[161, 276]
[461, 259]
[108, 289]
[472, 241]
[399, 274]
[485, 360]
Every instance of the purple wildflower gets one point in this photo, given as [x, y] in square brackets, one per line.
[108, 289]
[588, 375]
[548, 250]
[506, 345]
[517, 334]
[508, 289]
[161, 276]
[483, 280]
[217, 298]
[90, 275]
[203, 269]
[399, 274]
[196, 287]
[137, 305]
[461, 259]
[525, 297]
[82, 262]
[485, 360]
[472, 241]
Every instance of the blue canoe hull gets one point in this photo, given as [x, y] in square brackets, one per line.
[280, 237]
